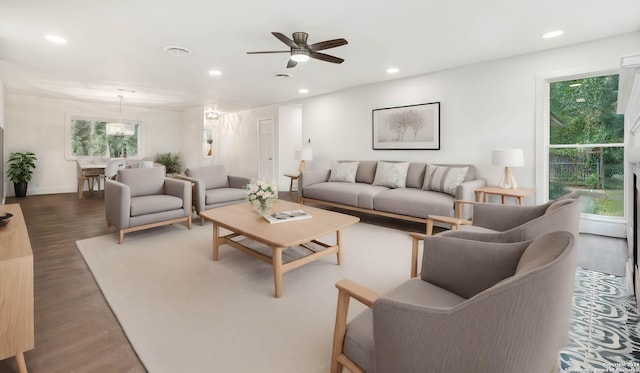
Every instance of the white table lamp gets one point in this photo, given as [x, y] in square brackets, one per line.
[303, 155]
[508, 158]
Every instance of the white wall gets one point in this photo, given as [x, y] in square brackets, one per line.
[289, 140]
[37, 124]
[238, 145]
[483, 106]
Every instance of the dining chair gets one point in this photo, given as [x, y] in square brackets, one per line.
[90, 175]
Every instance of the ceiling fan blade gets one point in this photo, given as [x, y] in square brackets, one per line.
[327, 44]
[283, 38]
[325, 57]
[268, 52]
[291, 64]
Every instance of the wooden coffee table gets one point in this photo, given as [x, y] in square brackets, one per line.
[242, 220]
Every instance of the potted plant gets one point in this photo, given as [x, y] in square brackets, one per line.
[21, 166]
[171, 162]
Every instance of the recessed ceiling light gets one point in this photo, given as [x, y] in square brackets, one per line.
[56, 39]
[552, 34]
[215, 72]
[393, 70]
[177, 51]
[303, 90]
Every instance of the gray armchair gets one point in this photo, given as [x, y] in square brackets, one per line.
[512, 223]
[214, 188]
[477, 307]
[144, 198]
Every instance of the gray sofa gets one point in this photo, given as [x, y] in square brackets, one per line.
[143, 198]
[414, 201]
[212, 187]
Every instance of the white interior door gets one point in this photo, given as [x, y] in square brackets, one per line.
[266, 145]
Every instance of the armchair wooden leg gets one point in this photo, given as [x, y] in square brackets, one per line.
[339, 330]
[415, 242]
[189, 222]
[120, 236]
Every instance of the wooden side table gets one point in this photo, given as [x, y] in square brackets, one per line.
[519, 193]
[292, 177]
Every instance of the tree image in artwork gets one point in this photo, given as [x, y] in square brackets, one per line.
[405, 121]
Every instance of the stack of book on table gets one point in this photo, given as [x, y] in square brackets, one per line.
[283, 216]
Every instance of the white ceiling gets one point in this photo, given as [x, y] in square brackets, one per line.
[118, 44]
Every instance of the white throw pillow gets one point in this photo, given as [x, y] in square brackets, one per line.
[444, 179]
[344, 172]
[391, 174]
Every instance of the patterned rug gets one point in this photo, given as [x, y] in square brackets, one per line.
[604, 334]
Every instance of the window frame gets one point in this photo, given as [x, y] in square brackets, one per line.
[93, 118]
[597, 224]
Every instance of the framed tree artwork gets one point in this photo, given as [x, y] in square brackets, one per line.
[407, 127]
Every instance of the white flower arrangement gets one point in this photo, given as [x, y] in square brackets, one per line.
[261, 195]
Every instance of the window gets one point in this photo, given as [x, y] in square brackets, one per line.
[89, 137]
[586, 144]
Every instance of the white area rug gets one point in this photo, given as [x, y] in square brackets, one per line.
[183, 312]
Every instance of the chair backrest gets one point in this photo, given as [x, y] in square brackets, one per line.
[113, 166]
[213, 176]
[143, 181]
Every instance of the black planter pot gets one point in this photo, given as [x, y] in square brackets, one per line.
[20, 188]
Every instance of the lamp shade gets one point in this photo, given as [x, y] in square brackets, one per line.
[120, 129]
[304, 155]
[507, 157]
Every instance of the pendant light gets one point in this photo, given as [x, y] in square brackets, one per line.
[120, 128]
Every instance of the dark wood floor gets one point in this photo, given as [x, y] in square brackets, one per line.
[75, 330]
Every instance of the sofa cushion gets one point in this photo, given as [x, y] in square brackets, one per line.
[143, 181]
[391, 174]
[366, 172]
[151, 204]
[213, 176]
[221, 195]
[414, 202]
[344, 172]
[415, 175]
[351, 194]
[444, 179]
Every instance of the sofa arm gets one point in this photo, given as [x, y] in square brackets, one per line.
[197, 192]
[180, 189]
[238, 182]
[117, 203]
[313, 177]
[467, 191]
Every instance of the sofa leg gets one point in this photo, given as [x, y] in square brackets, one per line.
[189, 222]
[201, 221]
[120, 236]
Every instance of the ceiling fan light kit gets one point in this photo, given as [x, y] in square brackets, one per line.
[300, 51]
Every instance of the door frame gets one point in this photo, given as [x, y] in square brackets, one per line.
[274, 167]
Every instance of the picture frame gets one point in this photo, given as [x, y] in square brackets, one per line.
[410, 127]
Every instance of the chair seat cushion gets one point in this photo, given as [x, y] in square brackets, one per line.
[144, 205]
[359, 340]
[221, 195]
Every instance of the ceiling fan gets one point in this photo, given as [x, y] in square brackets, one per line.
[301, 51]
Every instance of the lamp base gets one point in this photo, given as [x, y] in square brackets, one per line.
[508, 181]
[303, 166]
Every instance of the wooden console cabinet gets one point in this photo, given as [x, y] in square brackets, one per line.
[16, 288]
